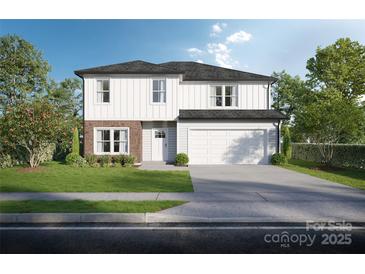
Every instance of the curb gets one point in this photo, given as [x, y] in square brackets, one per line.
[143, 218]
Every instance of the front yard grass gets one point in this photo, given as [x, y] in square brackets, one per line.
[346, 176]
[58, 177]
[81, 206]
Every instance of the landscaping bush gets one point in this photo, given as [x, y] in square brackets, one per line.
[287, 147]
[278, 159]
[105, 161]
[343, 155]
[182, 159]
[75, 160]
[92, 160]
[124, 160]
[75, 141]
[5, 161]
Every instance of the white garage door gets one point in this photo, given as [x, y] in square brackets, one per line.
[227, 146]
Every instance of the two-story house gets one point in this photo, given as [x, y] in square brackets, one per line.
[153, 111]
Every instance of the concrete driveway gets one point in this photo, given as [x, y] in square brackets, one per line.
[265, 192]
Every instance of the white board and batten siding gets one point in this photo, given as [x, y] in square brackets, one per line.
[131, 97]
[227, 141]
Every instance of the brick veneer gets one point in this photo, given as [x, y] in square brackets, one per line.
[135, 135]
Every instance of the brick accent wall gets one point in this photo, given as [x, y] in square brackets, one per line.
[135, 135]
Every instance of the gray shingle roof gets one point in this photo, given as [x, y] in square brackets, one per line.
[231, 114]
[191, 71]
[194, 71]
[133, 67]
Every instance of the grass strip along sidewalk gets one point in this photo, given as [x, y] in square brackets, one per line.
[81, 206]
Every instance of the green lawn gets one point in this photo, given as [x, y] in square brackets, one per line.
[346, 176]
[80, 206]
[57, 177]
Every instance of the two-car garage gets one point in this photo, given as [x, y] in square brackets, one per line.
[212, 137]
[227, 146]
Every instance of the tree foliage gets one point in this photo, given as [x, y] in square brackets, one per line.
[329, 119]
[23, 71]
[33, 126]
[287, 148]
[340, 66]
[75, 142]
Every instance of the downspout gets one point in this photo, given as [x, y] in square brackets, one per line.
[278, 138]
[83, 115]
[268, 95]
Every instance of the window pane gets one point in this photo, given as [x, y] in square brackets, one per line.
[99, 97]
[98, 85]
[228, 101]
[155, 84]
[106, 135]
[156, 97]
[163, 97]
[124, 135]
[162, 85]
[99, 147]
[212, 101]
[229, 90]
[106, 147]
[218, 90]
[218, 101]
[99, 135]
[124, 147]
[116, 146]
[105, 84]
[106, 97]
[116, 135]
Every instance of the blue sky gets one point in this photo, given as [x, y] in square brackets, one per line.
[260, 46]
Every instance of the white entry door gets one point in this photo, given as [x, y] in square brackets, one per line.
[159, 144]
[227, 146]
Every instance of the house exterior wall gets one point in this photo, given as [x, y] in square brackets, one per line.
[147, 139]
[183, 127]
[131, 97]
[135, 133]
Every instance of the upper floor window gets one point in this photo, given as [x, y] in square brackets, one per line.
[223, 96]
[159, 91]
[103, 91]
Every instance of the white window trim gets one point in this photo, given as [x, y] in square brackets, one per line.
[96, 91]
[111, 140]
[151, 93]
[223, 96]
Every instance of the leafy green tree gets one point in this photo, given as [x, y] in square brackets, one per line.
[340, 66]
[23, 71]
[75, 142]
[287, 147]
[33, 126]
[330, 119]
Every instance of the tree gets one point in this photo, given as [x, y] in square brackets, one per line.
[328, 120]
[341, 67]
[33, 126]
[66, 95]
[75, 142]
[23, 71]
[287, 148]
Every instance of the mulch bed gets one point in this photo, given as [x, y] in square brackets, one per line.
[326, 168]
[30, 169]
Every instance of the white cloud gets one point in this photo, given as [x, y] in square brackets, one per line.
[217, 28]
[239, 37]
[193, 52]
[200, 61]
[221, 54]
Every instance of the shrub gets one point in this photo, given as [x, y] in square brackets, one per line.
[5, 161]
[287, 147]
[92, 160]
[75, 142]
[182, 159]
[344, 155]
[124, 160]
[278, 159]
[75, 160]
[105, 161]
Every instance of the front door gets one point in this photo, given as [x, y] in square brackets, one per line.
[159, 144]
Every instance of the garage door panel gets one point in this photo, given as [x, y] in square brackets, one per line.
[227, 146]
